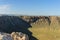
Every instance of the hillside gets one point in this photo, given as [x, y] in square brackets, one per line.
[44, 27]
[36, 27]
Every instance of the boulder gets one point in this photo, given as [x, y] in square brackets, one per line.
[5, 36]
[13, 36]
[19, 36]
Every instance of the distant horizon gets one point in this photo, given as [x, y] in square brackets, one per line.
[25, 15]
[30, 7]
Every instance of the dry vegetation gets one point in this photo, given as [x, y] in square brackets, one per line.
[45, 32]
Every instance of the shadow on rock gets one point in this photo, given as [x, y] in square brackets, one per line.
[11, 24]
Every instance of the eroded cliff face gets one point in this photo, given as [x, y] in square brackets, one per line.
[41, 19]
[55, 19]
[37, 19]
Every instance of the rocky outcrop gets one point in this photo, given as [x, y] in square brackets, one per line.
[37, 19]
[13, 36]
[42, 19]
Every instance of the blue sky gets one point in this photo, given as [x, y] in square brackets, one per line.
[30, 7]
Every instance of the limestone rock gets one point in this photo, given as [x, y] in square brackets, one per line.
[13, 36]
[5, 36]
[19, 36]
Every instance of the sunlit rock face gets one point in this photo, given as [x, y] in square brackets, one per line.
[13, 36]
[55, 20]
[19, 36]
[37, 19]
[42, 19]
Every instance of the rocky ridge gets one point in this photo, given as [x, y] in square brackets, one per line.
[41, 19]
